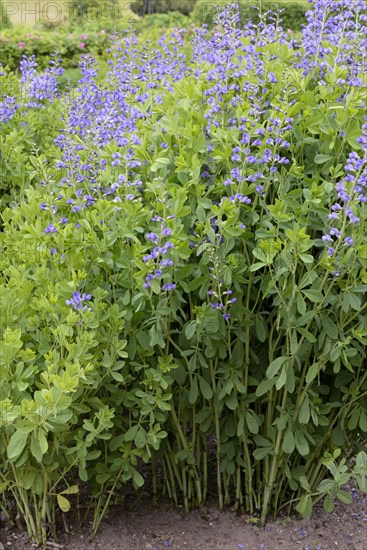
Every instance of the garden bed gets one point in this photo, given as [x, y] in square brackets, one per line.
[141, 527]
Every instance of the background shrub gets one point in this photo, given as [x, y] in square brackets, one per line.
[5, 22]
[14, 43]
[293, 14]
[147, 7]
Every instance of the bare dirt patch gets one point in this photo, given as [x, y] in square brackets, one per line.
[145, 528]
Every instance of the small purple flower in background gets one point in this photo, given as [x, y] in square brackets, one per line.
[335, 232]
[77, 301]
[51, 229]
[166, 263]
[53, 251]
[224, 305]
[349, 241]
[156, 256]
[169, 287]
[241, 198]
[152, 237]
[272, 78]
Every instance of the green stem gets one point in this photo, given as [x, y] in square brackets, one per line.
[97, 519]
[274, 466]
[217, 433]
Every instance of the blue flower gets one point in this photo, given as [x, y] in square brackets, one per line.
[169, 287]
[349, 241]
[77, 301]
[152, 237]
[51, 229]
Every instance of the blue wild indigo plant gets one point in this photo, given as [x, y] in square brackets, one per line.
[195, 293]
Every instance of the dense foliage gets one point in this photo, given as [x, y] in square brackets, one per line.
[184, 270]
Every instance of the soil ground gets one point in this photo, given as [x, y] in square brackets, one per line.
[145, 528]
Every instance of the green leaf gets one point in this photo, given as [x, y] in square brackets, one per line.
[241, 426]
[313, 295]
[260, 328]
[35, 447]
[256, 266]
[304, 413]
[261, 453]
[27, 480]
[301, 304]
[326, 486]
[307, 258]
[301, 443]
[304, 483]
[137, 478]
[156, 336]
[83, 474]
[42, 439]
[312, 372]
[140, 438]
[265, 386]
[344, 497]
[253, 422]
[289, 442]
[190, 330]
[328, 504]
[194, 391]
[354, 301]
[354, 419]
[307, 334]
[231, 402]
[72, 490]
[275, 366]
[363, 421]
[304, 507]
[205, 389]
[291, 379]
[16, 445]
[282, 378]
[321, 159]
[329, 326]
[130, 434]
[63, 503]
